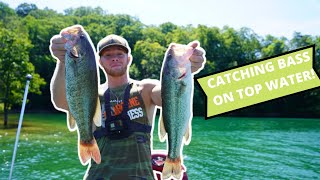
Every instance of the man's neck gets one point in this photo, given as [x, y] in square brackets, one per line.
[118, 81]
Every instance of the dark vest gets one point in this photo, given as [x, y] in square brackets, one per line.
[125, 154]
[118, 126]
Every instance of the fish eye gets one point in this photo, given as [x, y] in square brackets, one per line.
[82, 36]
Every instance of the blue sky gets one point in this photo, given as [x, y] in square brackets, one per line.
[275, 17]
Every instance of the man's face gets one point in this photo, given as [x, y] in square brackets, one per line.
[114, 60]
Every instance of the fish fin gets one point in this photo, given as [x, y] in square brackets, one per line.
[162, 130]
[71, 122]
[93, 127]
[97, 115]
[184, 84]
[172, 167]
[88, 151]
[187, 135]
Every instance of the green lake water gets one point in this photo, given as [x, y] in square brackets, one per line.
[221, 148]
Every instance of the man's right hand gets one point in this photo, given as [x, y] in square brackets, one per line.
[56, 47]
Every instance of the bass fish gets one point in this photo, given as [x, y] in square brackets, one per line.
[82, 90]
[176, 112]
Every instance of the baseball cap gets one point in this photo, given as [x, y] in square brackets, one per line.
[113, 40]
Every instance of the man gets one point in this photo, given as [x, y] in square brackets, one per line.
[128, 108]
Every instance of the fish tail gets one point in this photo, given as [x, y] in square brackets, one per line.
[172, 167]
[88, 150]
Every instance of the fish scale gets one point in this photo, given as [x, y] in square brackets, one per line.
[81, 81]
[176, 94]
[82, 90]
[176, 103]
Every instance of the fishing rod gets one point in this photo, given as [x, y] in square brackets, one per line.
[28, 77]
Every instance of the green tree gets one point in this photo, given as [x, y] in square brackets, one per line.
[273, 46]
[167, 27]
[14, 65]
[154, 34]
[24, 9]
[181, 35]
[250, 44]
[41, 25]
[84, 11]
[148, 58]
[299, 40]
[45, 13]
[225, 48]
[317, 55]
[121, 20]
[5, 11]
[307, 101]
[8, 17]
[132, 33]
[211, 41]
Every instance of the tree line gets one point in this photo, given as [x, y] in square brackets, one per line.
[25, 34]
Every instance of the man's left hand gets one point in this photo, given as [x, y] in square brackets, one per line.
[198, 58]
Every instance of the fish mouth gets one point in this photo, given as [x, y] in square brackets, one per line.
[73, 54]
[72, 51]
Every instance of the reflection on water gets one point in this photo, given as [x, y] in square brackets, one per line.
[221, 148]
[228, 148]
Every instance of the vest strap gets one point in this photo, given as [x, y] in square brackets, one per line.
[121, 121]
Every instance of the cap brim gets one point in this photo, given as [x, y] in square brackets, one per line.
[112, 45]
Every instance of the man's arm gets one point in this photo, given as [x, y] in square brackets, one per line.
[156, 94]
[57, 85]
